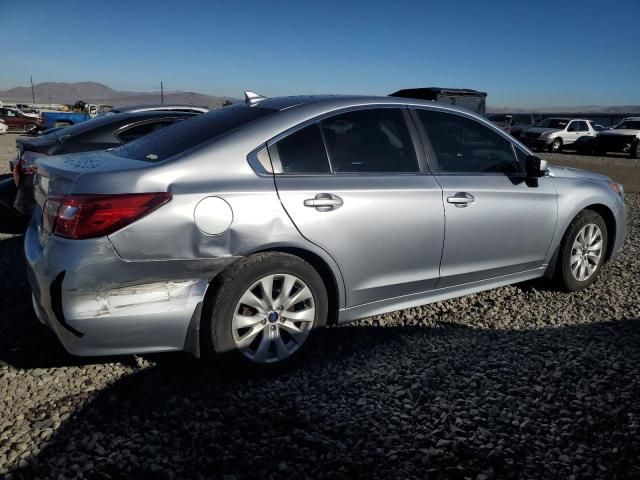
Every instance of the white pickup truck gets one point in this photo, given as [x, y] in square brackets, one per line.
[553, 134]
[623, 138]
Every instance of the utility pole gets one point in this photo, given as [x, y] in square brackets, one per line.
[161, 93]
[33, 95]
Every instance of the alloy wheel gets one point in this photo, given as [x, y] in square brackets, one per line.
[586, 252]
[273, 318]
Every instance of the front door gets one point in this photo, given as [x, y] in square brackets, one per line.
[352, 185]
[497, 222]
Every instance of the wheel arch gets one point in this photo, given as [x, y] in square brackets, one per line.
[324, 270]
[610, 221]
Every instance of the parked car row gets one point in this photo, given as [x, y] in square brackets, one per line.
[240, 232]
[583, 135]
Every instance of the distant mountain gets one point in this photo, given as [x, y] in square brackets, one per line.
[94, 92]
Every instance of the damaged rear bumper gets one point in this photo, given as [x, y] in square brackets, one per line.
[98, 304]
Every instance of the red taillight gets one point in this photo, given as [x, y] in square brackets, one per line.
[28, 162]
[89, 216]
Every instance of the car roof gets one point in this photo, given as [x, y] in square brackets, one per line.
[345, 101]
[159, 107]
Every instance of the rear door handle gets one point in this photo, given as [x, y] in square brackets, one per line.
[461, 199]
[324, 202]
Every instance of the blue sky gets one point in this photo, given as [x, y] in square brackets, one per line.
[535, 54]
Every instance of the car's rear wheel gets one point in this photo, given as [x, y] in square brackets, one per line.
[264, 312]
[30, 127]
[582, 251]
[635, 150]
[556, 145]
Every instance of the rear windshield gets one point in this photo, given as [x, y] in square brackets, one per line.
[182, 136]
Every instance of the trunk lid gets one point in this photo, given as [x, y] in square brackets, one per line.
[57, 175]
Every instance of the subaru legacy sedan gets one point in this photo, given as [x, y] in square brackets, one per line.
[239, 233]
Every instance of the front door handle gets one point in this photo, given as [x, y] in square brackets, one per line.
[461, 199]
[324, 202]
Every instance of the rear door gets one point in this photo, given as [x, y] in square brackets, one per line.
[352, 184]
[498, 222]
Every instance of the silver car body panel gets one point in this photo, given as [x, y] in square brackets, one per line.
[394, 243]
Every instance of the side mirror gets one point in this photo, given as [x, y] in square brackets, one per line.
[535, 166]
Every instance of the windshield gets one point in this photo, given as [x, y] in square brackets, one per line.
[554, 123]
[180, 137]
[628, 124]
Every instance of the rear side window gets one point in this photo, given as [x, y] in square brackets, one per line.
[303, 152]
[187, 134]
[375, 140]
[463, 145]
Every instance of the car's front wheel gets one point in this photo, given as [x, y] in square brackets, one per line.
[582, 251]
[635, 150]
[556, 145]
[264, 312]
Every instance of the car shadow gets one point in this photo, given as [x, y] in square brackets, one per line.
[359, 396]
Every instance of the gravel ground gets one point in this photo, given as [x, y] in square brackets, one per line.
[520, 382]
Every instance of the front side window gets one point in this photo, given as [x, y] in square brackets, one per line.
[375, 140]
[463, 145]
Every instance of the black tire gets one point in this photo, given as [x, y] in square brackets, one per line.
[556, 145]
[564, 276]
[635, 150]
[30, 128]
[224, 295]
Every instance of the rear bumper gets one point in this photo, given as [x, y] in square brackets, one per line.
[98, 304]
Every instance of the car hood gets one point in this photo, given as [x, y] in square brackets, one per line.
[620, 131]
[542, 130]
[567, 172]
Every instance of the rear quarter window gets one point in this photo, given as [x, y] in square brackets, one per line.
[182, 136]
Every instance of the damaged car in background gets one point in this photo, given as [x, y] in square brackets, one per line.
[239, 233]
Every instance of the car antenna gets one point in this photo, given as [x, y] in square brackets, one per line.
[251, 98]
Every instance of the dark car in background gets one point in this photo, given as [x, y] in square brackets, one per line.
[623, 138]
[463, 97]
[99, 133]
[514, 123]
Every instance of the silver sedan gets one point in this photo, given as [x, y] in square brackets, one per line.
[241, 232]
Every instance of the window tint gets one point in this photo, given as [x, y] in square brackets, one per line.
[375, 140]
[133, 133]
[582, 127]
[464, 145]
[303, 152]
[573, 127]
[182, 136]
